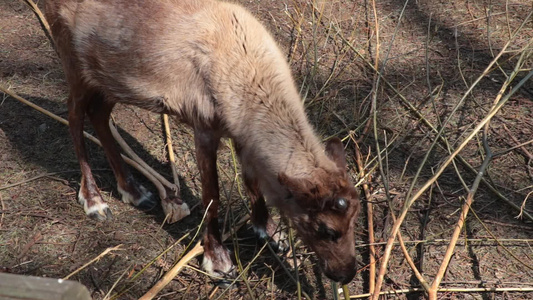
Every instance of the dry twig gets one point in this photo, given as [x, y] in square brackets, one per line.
[153, 174]
[370, 220]
[170, 150]
[449, 290]
[482, 123]
[196, 251]
[42, 21]
[3, 210]
[106, 251]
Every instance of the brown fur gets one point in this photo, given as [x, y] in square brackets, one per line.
[216, 68]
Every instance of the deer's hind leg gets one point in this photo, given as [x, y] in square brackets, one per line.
[99, 111]
[89, 194]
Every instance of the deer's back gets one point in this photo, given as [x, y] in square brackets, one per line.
[166, 55]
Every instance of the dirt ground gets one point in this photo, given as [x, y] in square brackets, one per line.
[431, 53]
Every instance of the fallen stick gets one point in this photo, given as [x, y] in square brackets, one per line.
[42, 21]
[136, 158]
[196, 251]
[370, 220]
[170, 150]
[106, 251]
[448, 290]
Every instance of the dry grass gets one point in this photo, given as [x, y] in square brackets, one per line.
[432, 93]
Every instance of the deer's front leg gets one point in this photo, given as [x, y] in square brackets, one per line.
[265, 228]
[217, 261]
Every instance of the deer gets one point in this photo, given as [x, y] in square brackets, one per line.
[213, 66]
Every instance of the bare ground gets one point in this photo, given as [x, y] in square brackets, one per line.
[432, 53]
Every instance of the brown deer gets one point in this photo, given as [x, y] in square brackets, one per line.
[216, 68]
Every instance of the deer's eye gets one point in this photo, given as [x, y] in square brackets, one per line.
[327, 233]
[340, 204]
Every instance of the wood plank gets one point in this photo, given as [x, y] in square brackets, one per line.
[40, 288]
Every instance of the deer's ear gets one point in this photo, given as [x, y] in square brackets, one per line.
[302, 190]
[335, 151]
[296, 186]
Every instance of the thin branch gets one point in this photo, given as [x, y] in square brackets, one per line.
[370, 220]
[137, 159]
[464, 212]
[171, 156]
[106, 251]
[7, 186]
[441, 139]
[409, 202]
[3, 206]
[196, 251]
[449, 290]
[42, 21]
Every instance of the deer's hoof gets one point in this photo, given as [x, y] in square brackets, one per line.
[95, 207]
[147, 204]
[175, 209]
[140, 198]
[99, 212]
[226, 283]
[279, 246]
[219, 266]
[278, 241]
[225, 279]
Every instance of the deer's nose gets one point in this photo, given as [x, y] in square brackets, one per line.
[342, 277]
[341, 272]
